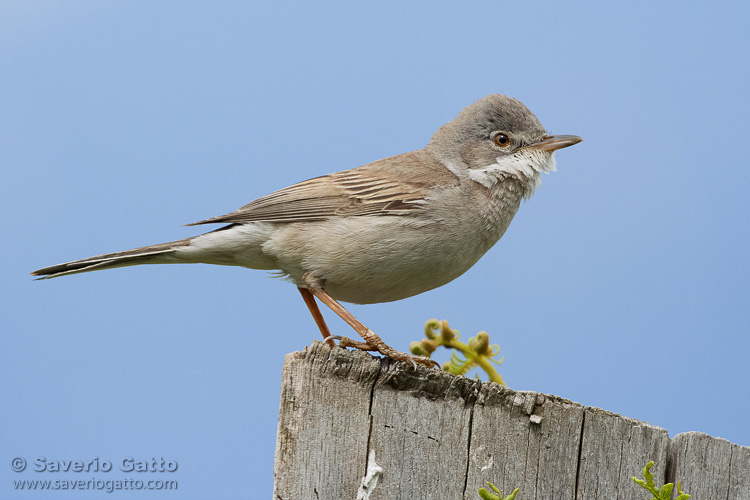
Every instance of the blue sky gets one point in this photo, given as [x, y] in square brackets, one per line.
[622, 284]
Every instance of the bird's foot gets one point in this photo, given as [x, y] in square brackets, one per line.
[347, 342]
[384, 349]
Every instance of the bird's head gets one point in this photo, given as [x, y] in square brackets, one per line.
[499, 137]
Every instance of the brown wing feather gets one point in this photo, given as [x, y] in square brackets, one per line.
[392, 186]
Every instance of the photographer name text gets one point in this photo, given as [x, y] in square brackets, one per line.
[127, 464]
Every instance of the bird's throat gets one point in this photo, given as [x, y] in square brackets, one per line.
[525, 165]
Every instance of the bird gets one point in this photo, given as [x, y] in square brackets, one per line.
[381, 232]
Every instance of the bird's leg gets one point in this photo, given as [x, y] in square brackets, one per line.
[319, 320]
[309, 299]
[374, 342]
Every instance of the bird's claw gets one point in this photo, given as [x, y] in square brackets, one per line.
[392, 353]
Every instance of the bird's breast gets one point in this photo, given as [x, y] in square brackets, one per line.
[368, 259]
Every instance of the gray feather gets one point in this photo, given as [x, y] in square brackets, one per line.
[393, 186]
[152, 254]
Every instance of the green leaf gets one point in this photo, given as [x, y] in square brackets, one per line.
[486, 495]
[666, 491]
[683, 495]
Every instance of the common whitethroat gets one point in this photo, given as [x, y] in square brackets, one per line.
[384, 231]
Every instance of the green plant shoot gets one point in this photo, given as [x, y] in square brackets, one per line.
[477, 352]
[665, 493]
[486, 495]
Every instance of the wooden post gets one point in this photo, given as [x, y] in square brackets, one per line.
[352, 426]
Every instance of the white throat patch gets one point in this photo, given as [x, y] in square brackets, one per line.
[525, 165]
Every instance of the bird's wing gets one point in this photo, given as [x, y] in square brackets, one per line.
[392, 186]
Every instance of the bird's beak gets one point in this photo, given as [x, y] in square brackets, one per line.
[552, 143]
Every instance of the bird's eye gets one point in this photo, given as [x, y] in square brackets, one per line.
[501, 140]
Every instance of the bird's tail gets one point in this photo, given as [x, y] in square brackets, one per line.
[153, 254]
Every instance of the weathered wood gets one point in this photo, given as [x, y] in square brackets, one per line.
[710, 467]
[324, 422]
[436, 436]
[615, 448]
[420, 427]
[524, 440]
